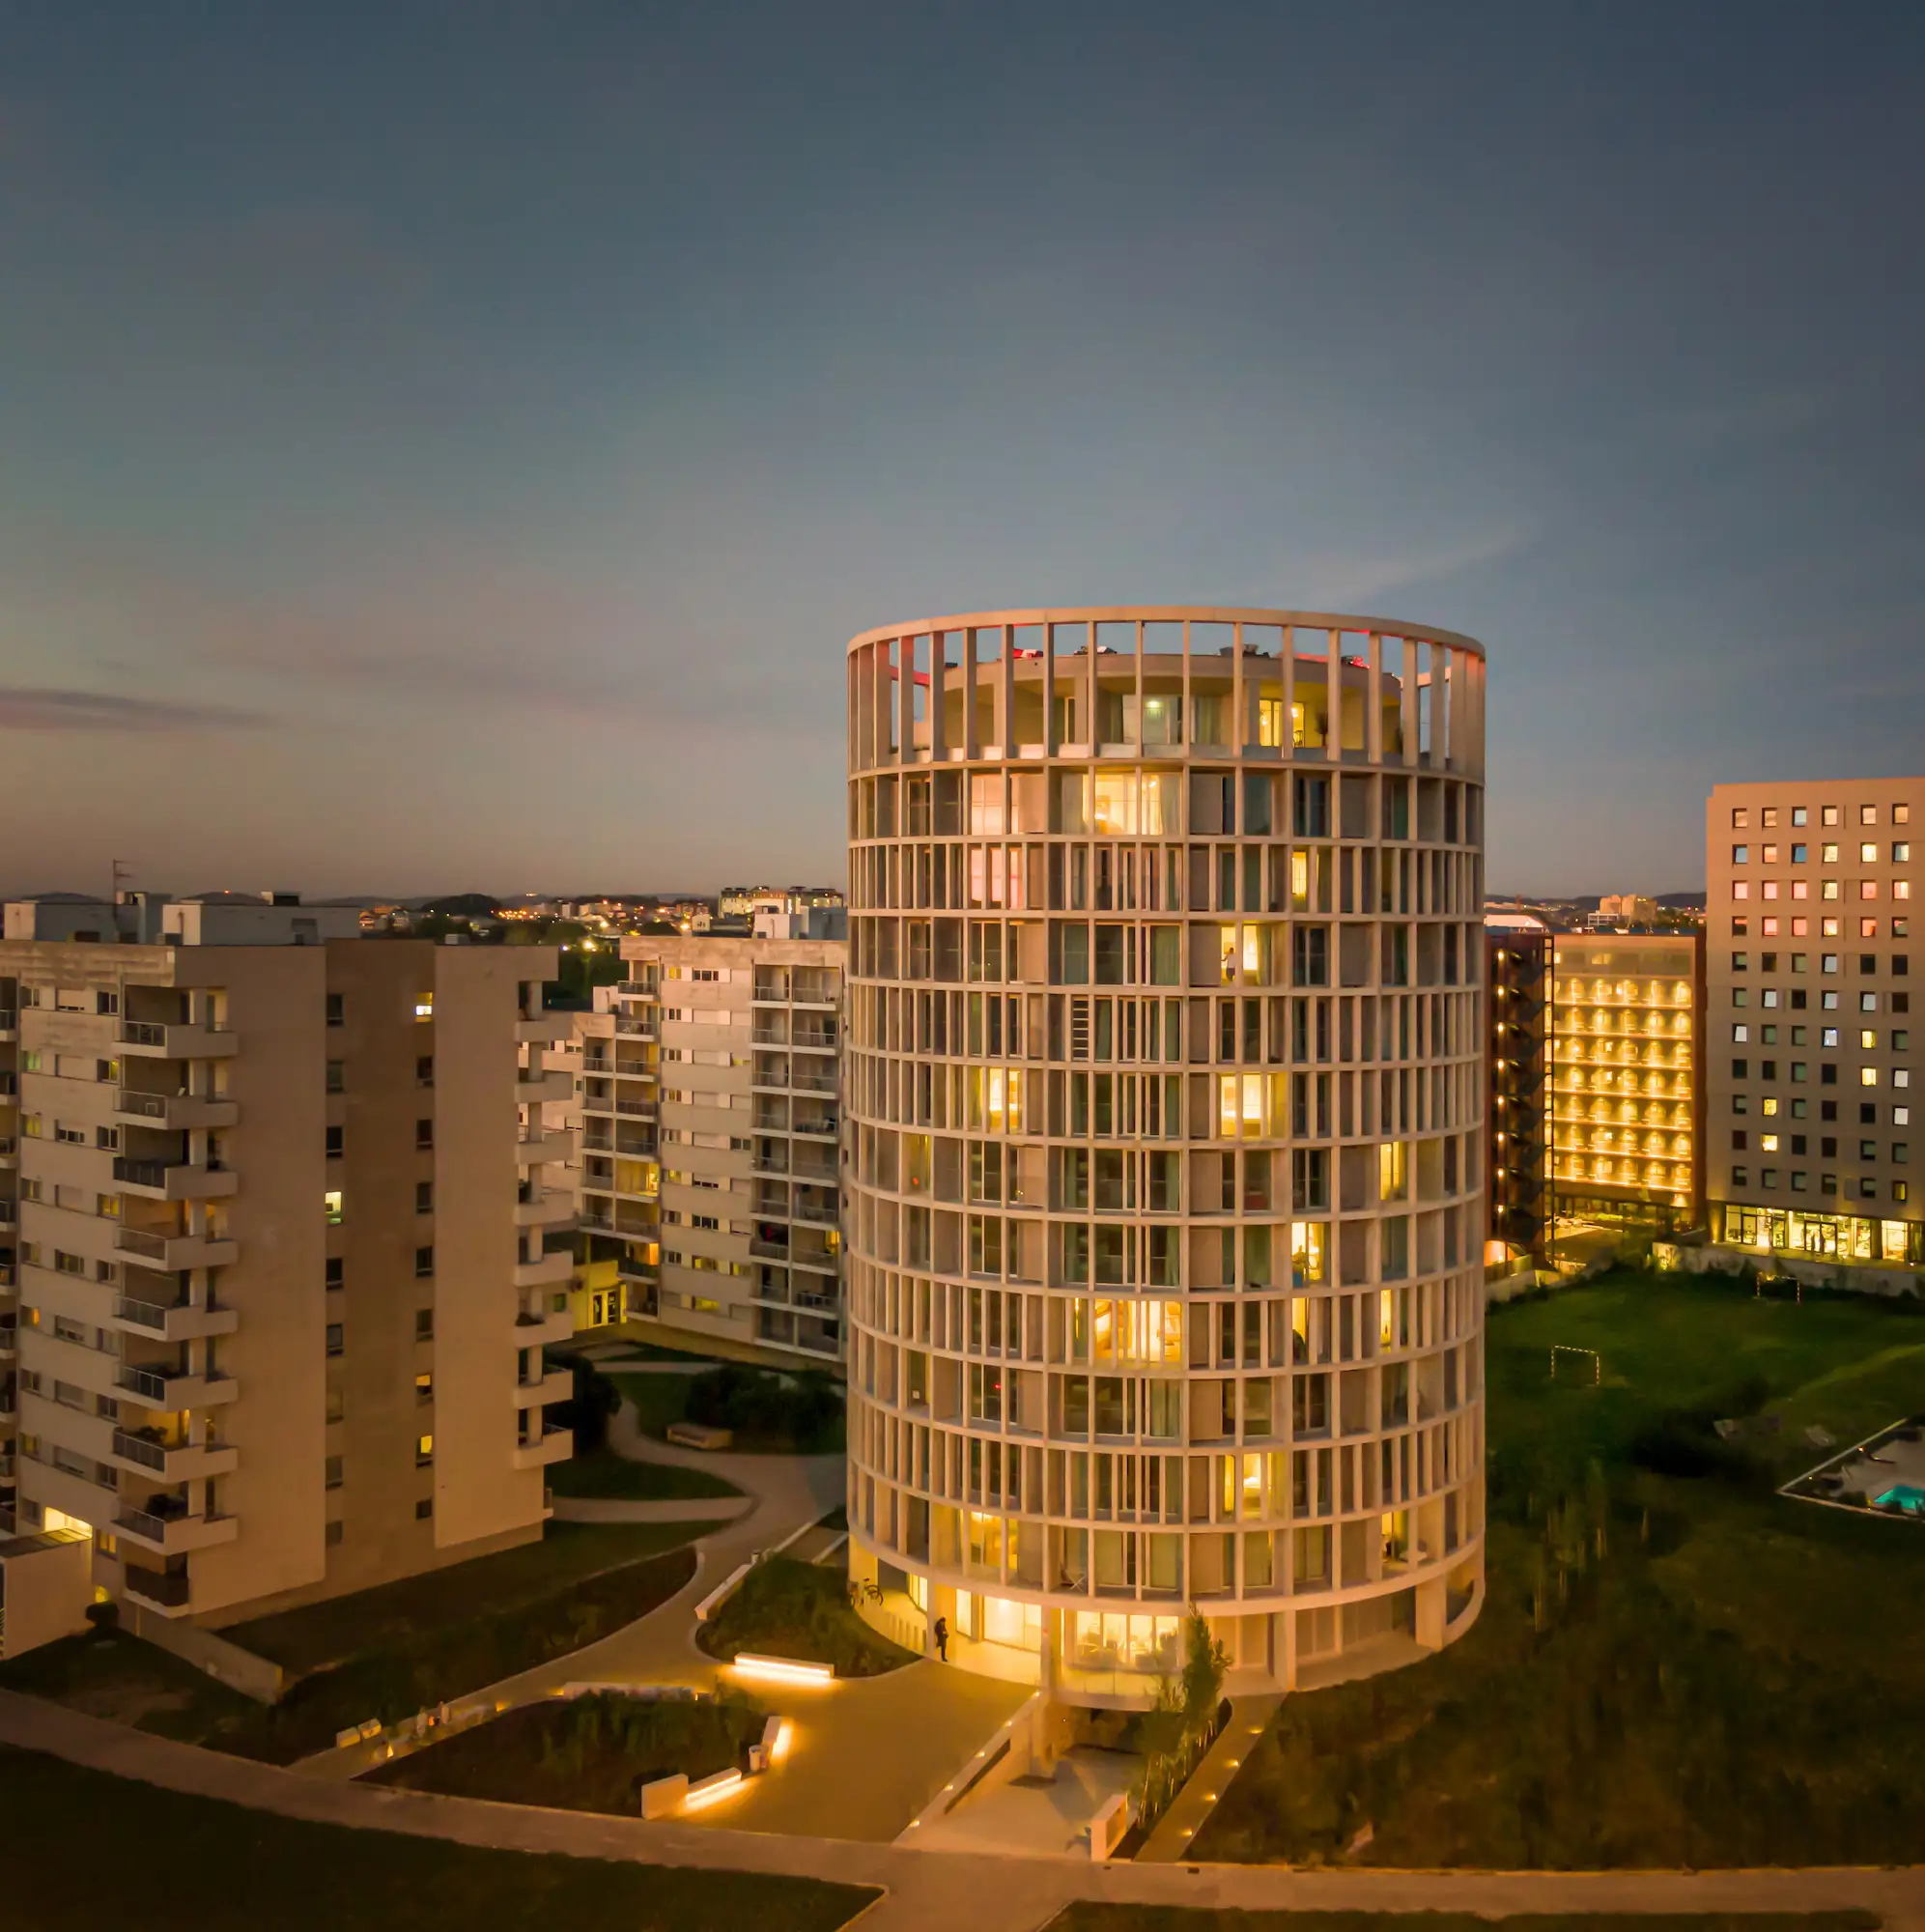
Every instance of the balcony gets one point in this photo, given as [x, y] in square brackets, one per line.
[175, 1535]
[147, 1039]
[179, 1180]
[173, 1389]
[177, 1462]
[772, 1164]
[646, 1109]
[543, 1330]
[9, 1151]
[551, 1445]
[545, 1029]
[547, 1271]
[815, 1042]
[628, 1268]
[556, 1144]
[828, 1128]
[10, 1340]
[820, 1264]
[171, 1252]
[814, 1214]
[638, 1026]
[549, 1209]
[172, 1322]
[545, 1389]
[10, 1025]
[803, 1080]
[156, 1589]
[175, 1112]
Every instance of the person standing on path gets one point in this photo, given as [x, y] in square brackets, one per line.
[942, 1640]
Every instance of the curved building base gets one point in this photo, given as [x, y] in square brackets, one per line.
[1111, 1654]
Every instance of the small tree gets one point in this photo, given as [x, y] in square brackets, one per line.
[1206, 1662]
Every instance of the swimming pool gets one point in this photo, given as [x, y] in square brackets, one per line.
[1908, 1496]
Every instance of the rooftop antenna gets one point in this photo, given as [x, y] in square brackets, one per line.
[123, 874]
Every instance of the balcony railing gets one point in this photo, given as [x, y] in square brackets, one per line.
[157, 1586]
[139, 1449]
[812, 1083]
[146, 1313]
[137, 1241]
[142, 1033]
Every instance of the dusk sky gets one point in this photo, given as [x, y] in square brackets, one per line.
[449, 448]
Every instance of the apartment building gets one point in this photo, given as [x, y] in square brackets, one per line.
[710, 1113]
[1517, 950]
[1626, 1064]
[1165, 1089]
[1808, 915]
[286, 1258]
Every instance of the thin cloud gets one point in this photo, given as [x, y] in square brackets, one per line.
[30, 708]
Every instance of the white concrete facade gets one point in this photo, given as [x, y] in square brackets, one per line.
[1164, 1098]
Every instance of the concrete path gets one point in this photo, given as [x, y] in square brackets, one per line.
[1184, 1819]
[935, 1891]
[670, 1509]
[785, 1495]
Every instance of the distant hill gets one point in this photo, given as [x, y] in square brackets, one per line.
[461, 905]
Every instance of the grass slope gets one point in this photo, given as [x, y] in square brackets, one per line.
[788, 1608]
[234, 1870]
[1733, 1681]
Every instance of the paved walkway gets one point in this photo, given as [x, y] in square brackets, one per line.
[935, 1891]
[1197, 1800]
[671, 1509]
[786, 1494]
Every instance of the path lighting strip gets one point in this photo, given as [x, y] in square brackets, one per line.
[782, 1669]
[724, 1784]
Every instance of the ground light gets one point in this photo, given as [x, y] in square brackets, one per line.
[782, 1669]
[724, 1784]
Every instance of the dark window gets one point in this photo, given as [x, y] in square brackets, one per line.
[335, 1005]
[424, 1262]
[331, 1533]
[1828, 1110]
[1740, 1070]
[1738, 1140]
[335, 1267]
[1901, 964]
[424, 1071]
[424, 1197]
[1798, 1143]
[336, 1340]
[337, 1076]
[424, 1324]
[424, 1509]
[424, 1135]
[1768, 962]
[1769, 1071]
[335, 1138]
[332, 1472]
[1828, 1074]
[1828, 1183]
[1868, 962]
[1827, 1145]
[1868, 1113]
[1868, 1151]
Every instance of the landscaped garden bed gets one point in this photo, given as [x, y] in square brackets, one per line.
[227, 1869]
[1675, 1665]
[765, 1414]
[788, 1608]
[385, 1653]
[588, 1754]
[1092, 1915]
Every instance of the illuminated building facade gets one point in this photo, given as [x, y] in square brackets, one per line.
[1164, 1149]
[1809, 921]
[1519, 958]
[1626, 1057]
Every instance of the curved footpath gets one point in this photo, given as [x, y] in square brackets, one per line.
[927, 1891]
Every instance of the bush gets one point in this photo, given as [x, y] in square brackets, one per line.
[593, 1399]
[759, 1407]
[105, 1618]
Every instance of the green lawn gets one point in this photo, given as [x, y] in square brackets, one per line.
[383, 1653]
[1088, 1915]
[586, 1754]
[603, 1473]
[234, 1870]
[786, 1608]
[1735, 1681]
[323, 1633]
[658, 1400]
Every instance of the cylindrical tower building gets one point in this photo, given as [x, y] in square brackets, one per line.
[1163, 1140]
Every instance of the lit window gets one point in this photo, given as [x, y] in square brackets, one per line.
[1740, 855]
[1901, 852]
[1868, 1040]
[1770, 857]
[1868, 853]
[1740, 888]
[1868, 814]
[424, 1006]
[332, 1200]
[1768, 1142]
[1868, 1076]
[424, 1451]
